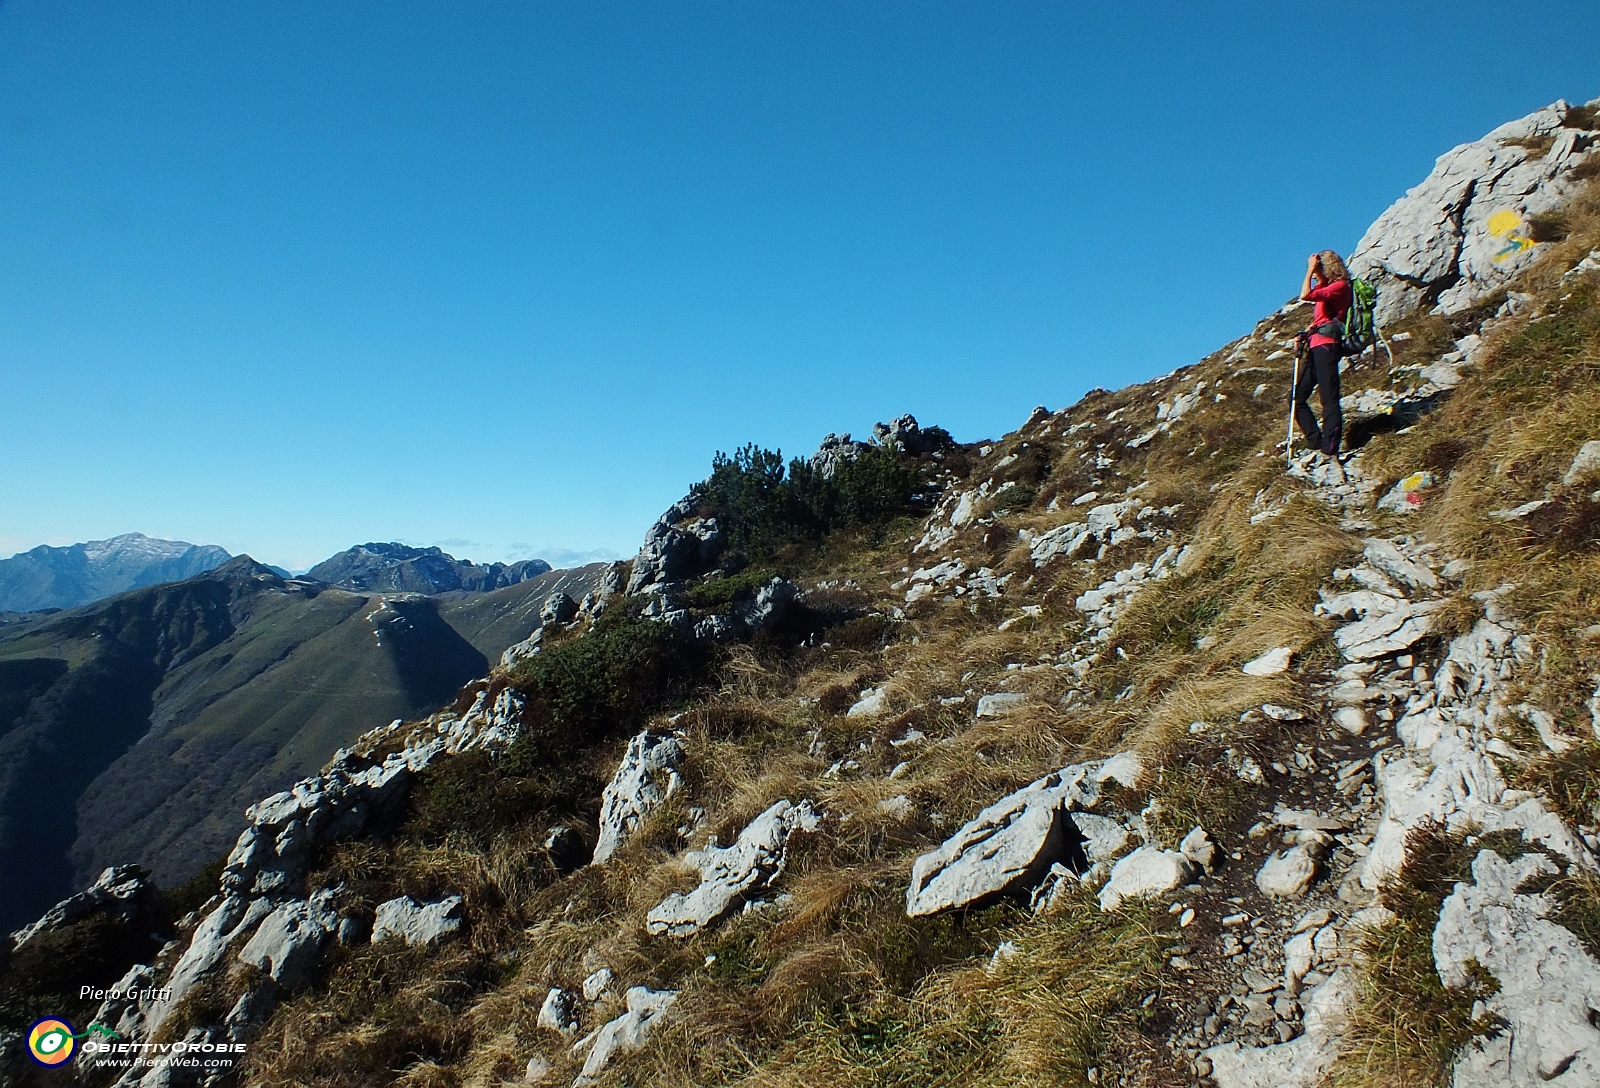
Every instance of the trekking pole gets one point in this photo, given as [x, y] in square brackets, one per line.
[1288, 445]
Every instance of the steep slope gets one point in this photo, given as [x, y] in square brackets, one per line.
[397, 568]
[1143, 757]
[138, 729]
[49, 577]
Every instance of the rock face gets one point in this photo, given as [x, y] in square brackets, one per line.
[836, 450]
[675, 548]
[558, 608]
[905, 435]
[627, 1032]
[417, 923]
[1549, 987]
[271, 854]
[123, 894]
[769, 606]
[728, 875]
[291, 941]
[1010, 846]
[1457, 237]
[647, 776]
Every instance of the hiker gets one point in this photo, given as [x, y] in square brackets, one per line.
[1317, 367]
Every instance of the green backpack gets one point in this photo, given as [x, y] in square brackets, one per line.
[1360, 324]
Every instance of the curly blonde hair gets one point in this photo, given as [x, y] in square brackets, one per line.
[1333, 269]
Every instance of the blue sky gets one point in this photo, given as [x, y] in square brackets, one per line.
[287, 277]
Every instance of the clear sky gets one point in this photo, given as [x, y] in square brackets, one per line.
[289, 276]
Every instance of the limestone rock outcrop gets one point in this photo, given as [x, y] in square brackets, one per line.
[1549, 987]
[675, 548]
[627, 1032]
[417, 924]
[123, 894]
[647, 776]
[290, 943]
[1010, 846]
[729, 875]
[1460, 235]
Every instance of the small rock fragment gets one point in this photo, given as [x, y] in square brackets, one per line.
[1147, 872]
[1288, 873]
[1272, 663]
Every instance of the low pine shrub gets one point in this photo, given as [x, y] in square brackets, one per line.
[603, 684]
[764, 508]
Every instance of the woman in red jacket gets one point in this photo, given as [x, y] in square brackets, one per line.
[1320, 369]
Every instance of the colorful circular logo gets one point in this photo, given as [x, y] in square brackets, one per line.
[50, 1041]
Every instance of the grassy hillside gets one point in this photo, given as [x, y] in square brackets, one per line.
[833, 984]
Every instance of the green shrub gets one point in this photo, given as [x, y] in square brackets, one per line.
[193, 893]
[721, 591]
[763, 508]
[602, 684]
[1015, 498]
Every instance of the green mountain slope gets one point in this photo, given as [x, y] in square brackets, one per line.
[140, 728]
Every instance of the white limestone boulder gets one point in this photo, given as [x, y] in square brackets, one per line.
[418, 924]
[728, 875]
[647, 776]
[1386, 633]
[1009, 847]
[1549, 986]
[873, 701]
[627, 1032]
[1000, 703]
[290, 943]
[1585, 466]
[1146, 873]
[1272, 663]
[1198, 848]
[1288, 873]
[559, 1012]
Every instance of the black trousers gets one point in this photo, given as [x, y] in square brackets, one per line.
[1320, 372]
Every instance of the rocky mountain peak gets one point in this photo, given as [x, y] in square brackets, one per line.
[399, 568]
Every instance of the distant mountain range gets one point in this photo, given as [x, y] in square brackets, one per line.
[81, 574]
[67, 577]
[139, 727]
[396, 568]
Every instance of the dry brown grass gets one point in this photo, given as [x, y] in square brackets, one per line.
[838, 986]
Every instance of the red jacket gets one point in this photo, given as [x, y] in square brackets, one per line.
[1333, 302]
